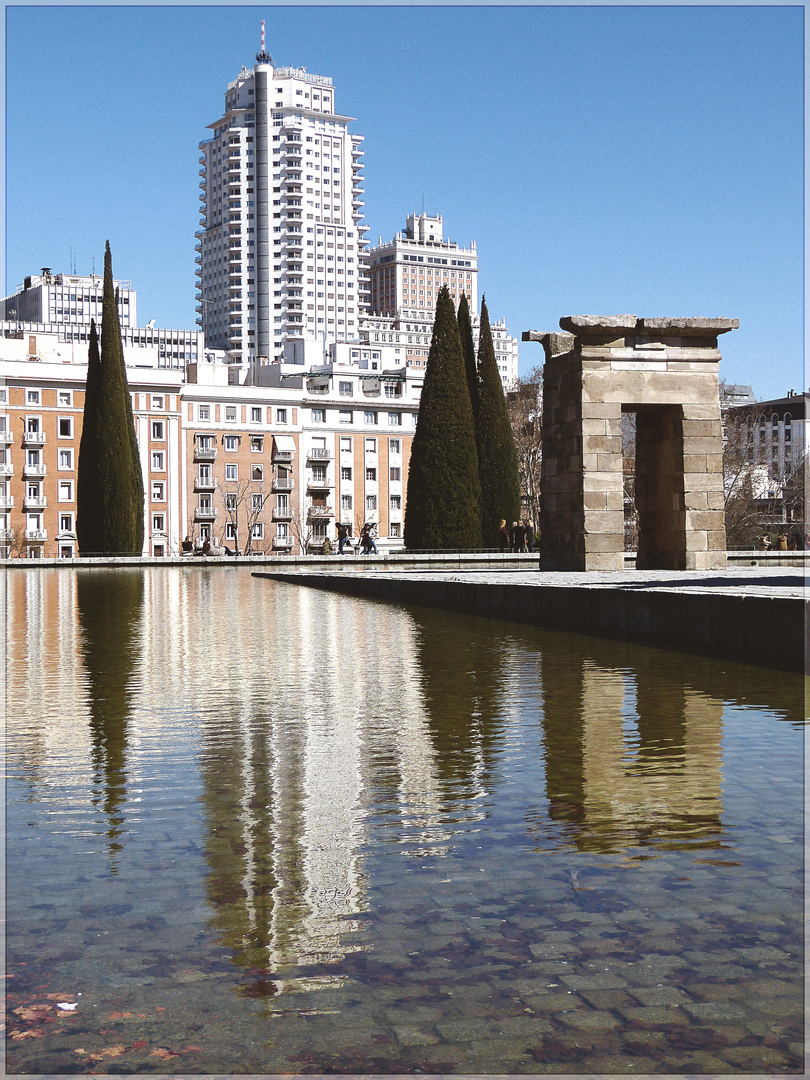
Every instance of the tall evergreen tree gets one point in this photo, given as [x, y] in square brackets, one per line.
[497, 456]
[443, 507]
[467, 344]
[109, 485]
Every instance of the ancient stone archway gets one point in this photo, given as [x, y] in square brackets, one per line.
[665, 370]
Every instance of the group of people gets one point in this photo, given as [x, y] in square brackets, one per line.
[367, 539]
[519, 538]
[783, 542]
[206, 548]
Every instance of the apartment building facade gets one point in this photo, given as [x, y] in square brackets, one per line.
[405, 275]
[281, 240]
[265, 468]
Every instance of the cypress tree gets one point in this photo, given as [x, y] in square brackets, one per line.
[109, 485]
[497, 456]
[443, 508]
[470, 365]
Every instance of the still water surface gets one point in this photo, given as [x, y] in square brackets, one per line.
[254, 828]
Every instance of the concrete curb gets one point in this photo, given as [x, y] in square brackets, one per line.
[752, 628]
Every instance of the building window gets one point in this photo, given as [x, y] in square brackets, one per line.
[231, 472]
[230, 531]
[256, 502]
[257, 472]
[204, 412]
[281, 416]
[371, 474]
[394, 446]
[157, 401]
[158, 430]
[370, 417]
[395, 474]
[345, 473]
[230, 414]
[158, 523]
[319, 416]
[158, 459]
[371, 502]
[396, 502]
[257, 443]
[230, 501]
[158, 491]
[257, 532]
[66, 523]
[345, 416]
[345, 502]
[371, 446]
[255, 416]
[394, 419]
[65, 459]
[346, 443]
[231, 442]
[65, 427]
[65, 491]
[63, 397]
[32, 397]
[345, 388]
[394, 528]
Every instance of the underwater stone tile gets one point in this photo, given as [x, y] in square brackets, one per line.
[607, 999]
[654, 1015]
[601, 980]
[617, 1064]
[754, 1057]
[760, 953]
[664, 995]
[589, 1020]
[408, 1036]
[784, 1006]
[714, 1010]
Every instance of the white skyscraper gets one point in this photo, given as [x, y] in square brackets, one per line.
[279, 253]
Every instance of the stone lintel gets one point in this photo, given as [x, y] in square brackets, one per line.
[554, 344]
[691, 327]
[628, 354]
[585, 325]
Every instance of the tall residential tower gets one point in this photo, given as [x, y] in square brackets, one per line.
[280, 250]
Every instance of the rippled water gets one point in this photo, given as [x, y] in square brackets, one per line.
[254, 828]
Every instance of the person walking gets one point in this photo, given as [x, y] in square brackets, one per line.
[528, 536]
[517, 536]
[503, 536]
[342, 537]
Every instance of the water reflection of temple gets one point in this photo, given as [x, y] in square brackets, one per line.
[632, 754]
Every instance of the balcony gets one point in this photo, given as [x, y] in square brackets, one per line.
[6, 534]
[205, 513]
[6, 438]
[31, 472]
[319, 453]
[282, 513]
[205, 453]
[6, 502]
[282, 543]
[319, 513]
[319, 485]
[6, 469]
[34, 502]
[205, 483]
[283, 483]
[36, 536]
[33, 438]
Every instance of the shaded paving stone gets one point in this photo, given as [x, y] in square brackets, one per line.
[714, 1010]
[762, 953]
[778, 1007]
[654, 1016]
[607, 999]
[617, 1064]
[755, 1057]
[601, 981]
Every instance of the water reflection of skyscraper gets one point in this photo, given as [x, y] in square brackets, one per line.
[109, 607]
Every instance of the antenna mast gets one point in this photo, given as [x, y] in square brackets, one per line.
[263, 57]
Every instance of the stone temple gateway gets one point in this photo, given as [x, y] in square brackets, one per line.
[666, 371]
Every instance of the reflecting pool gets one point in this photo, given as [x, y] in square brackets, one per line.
[256, 828]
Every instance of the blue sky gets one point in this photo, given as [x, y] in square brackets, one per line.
[605, 159]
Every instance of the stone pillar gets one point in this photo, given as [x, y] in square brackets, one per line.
[666, 370]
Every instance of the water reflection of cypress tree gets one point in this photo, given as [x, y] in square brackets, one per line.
[461, 663]
[109, 606]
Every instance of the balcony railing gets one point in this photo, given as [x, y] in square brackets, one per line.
[314, 484]
[205, 513]
[282, 513]
[6, 438]
[321, 453]
[34, 502]
[205, 483]
[36, 535]
[282, 483]
[282, 455]
[33, 470]
[205, 453]
[6, 502]
[318, 513]
[282, 542]
[6, 469]
[34, 438]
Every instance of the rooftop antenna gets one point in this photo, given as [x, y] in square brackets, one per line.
[263, 57]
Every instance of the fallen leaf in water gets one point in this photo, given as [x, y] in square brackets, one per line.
[32, 1012]
[162, 1053]
[119, 1015]
[192, 1050]
[139, 1044]
[59, 997]
[32, 1033]
[112, 1051]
